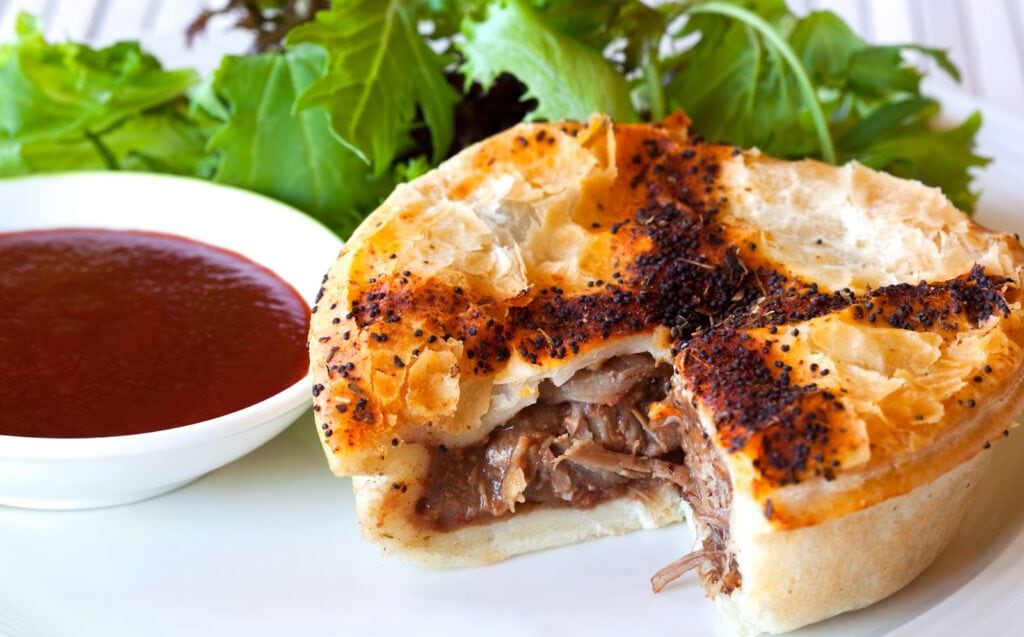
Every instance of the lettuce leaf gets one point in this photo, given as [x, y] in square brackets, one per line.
[68, 106]
[567, 78]
[164, 141]
[858, 101]
[364, 95]
[737, 88]
[380, 78]
[265, 146]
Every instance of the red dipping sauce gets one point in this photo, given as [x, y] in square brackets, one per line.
[112, 332]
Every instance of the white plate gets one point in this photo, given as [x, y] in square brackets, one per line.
[269, 545]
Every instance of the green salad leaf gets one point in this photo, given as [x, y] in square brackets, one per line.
[569, 79]
[381, 79]
[165, 141]
[348, 101]
[266, 146]
[738, 87]
[810, 87]
[68, 106]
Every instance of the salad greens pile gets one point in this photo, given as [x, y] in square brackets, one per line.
[345, 102]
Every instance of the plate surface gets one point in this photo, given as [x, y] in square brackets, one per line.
[269, 545]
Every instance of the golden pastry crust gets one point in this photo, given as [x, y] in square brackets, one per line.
[470, 285]
[798, 576]
[845, 337]
[526, 255]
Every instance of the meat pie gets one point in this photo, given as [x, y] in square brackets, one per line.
[574, 330]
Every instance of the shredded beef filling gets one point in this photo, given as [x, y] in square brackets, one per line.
[710, 498]
[583, 443]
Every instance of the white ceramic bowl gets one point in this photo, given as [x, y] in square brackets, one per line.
[72, 473]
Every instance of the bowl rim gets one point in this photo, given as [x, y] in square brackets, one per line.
[230, 424]
[224, 426]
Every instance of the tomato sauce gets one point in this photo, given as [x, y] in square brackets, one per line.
[111, 332]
